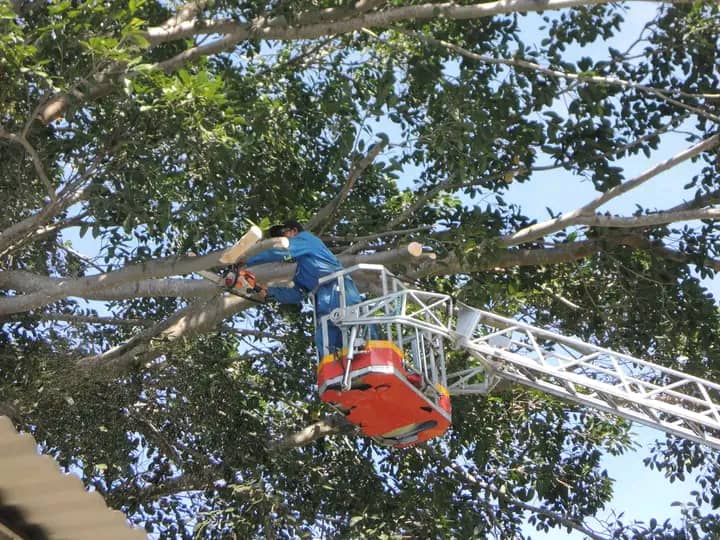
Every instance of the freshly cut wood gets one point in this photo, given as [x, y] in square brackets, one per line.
[236, 252]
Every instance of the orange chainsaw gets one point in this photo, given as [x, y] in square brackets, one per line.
[242, 280]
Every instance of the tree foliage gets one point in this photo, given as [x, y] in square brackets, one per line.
[142, 130]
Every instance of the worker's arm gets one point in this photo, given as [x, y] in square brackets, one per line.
[284, 295]
[298, 246]
[270, 255]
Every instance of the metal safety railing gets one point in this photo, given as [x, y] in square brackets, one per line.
[414, 320]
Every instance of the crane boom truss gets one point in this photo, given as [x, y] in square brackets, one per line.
[572, 369]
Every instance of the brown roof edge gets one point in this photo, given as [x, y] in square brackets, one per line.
[41, 496]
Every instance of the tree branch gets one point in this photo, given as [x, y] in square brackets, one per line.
[26, 282]
[189, 321]
[330, 425]
[57, 106]
[322, 218]
[75, 191]
[579, 77]
[19, 233]
[334, 22]
[493, 259]
[539, 230]
[649, 220]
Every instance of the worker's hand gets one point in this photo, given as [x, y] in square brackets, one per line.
[262, 294]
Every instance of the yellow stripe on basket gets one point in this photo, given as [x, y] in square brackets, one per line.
[384, 344]
[330, 358]
[372, 344]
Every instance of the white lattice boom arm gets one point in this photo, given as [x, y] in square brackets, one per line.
[635, 389]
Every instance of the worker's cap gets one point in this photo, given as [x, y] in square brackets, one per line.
[279, 230]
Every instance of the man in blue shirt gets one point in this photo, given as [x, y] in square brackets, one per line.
[314, 260]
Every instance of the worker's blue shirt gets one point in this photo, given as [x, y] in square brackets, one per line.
[314, 260]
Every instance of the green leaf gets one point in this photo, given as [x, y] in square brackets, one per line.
[59, 7]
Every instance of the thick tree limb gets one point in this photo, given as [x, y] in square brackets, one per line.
[558, 254]
[568, 219]
[547, 256]
[192, 320]
[26, 282]
[87, 319]
[58, 105]
[332, 21]
[278, 28]
[514, 257]
[649, 220]
[186, 13]
[87, 286]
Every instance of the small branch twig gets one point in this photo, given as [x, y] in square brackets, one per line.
[399, 232]
[34, 156]
[163, 267]
[255, 333]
